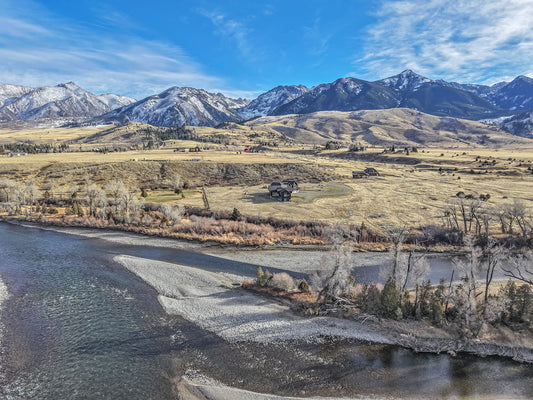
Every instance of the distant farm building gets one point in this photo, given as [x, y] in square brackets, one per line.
[367, 173]
[371, 172]
[283, 190]
[359, 175]
[254, 149]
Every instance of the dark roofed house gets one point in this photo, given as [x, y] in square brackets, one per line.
[367, 173]
[371, 172]
[283, 190]
[284, 194]
[274, 186]
[359, 174]
[291, 184]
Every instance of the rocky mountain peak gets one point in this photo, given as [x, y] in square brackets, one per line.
[269, 101]
[406, 80]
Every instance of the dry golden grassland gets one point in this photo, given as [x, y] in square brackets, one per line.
[403, 194]
[52, 136]
[399, 196]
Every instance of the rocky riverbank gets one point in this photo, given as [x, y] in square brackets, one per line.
[168, 281]
[215, 302]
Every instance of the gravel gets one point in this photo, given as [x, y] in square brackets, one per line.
[302, 261]
[211, 301]
[200, 389]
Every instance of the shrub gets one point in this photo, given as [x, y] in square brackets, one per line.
[262, 278]
[52, 210]
[282, 281]
[303, 286]
[172, 214]
[147, 220]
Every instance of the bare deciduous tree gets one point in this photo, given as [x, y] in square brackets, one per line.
[520, 267]
[32, 193]
[18, 197]
[129, 203]
[332, 277]
[493, 254]
[96, 199]
[115, 188]
[466, 294]
[175, 182]
[172, 213]
[396, 236]
[50, 187]
[6, 186]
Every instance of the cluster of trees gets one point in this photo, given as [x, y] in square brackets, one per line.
[115, 201]
[476, 216]
[32, 148]
[469, 301]
[17, 198]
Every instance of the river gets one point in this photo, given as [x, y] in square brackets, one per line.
[77, 326]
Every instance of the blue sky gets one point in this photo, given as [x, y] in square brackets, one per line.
[243, 48]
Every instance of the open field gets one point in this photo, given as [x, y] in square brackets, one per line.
[45, 135]
[411, 189]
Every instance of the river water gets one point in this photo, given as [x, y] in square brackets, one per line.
[79, 326]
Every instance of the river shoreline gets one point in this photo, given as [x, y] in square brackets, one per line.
[416, 335]
[199, 296]
[223, 322]
[4, 294]
[361, 247]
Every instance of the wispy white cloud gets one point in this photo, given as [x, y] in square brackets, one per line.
[463, 40]
[40, 50]
[15, 28]
[268, 9]
[233, 30]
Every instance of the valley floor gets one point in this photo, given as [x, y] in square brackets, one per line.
[412, 190]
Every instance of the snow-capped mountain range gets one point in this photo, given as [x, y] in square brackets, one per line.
[64, 101]
[269, 101]
[190, 106]
[177, 106]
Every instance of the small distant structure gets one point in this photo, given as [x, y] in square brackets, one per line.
[283, 190]
[180, 150]
[367, 173]
[360, 175]
[371, 172]
[254, 149]
[17, 154]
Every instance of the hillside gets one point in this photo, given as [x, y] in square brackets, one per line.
[399, 126]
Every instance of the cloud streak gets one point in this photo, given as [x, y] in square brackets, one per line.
[233, 30]
[43, 51]
[464, 40]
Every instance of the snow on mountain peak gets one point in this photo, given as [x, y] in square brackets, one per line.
[177, 106]
[406, 80]
[271, 100]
